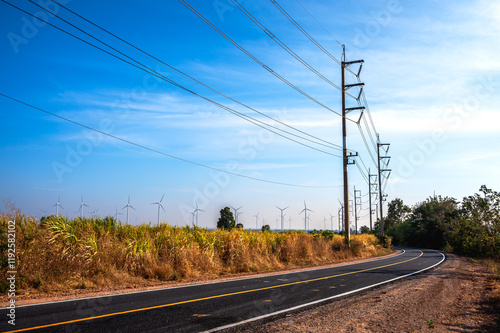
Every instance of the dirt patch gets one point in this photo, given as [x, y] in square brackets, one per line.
[455, 297]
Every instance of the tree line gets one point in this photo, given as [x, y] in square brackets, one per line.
[470, 227]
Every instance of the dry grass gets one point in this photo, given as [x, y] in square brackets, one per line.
[494, 267]
[57, 254]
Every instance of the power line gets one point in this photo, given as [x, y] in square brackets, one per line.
[301, 5]
[365, 103]
[362, 173]
[305, 33]
[366, 143]
[160, 152]
[363, 163]
[156, 74]
[369, 133]
[283, 45]
[197, 81]
[242, 49]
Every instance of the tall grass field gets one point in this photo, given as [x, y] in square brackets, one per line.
[60, 254]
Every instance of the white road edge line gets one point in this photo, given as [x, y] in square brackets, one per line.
[321, 300]
[202, 284]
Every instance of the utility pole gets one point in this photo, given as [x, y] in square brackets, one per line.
[372, 187]
[380, 180]
[351, 212]
[346, 161]
[356, 207]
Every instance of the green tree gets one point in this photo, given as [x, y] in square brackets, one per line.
[364, 229]
[475, 230]
[226, 219]
[430, 220]
[266, 227]
[397, 212]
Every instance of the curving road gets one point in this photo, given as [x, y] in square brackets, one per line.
[212, 306]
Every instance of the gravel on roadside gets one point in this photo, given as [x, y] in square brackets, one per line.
[456, 296]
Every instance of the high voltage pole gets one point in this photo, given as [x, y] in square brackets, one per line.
[381, 197]
[346, 157]
[356, 208]
[372, 187]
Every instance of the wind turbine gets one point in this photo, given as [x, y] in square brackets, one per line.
[256, 220]
[128, 205]
[282, 209]
[236, 213]
[94, 213]
[324, 222]
[159, 205]
[290, 223]
[196, 211]
[305, 210]
[331, 219]
[117, 213]
[57, 204]
[341, 217]
[82, 204]
[238, 217]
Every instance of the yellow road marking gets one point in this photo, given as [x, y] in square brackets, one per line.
[207, 298]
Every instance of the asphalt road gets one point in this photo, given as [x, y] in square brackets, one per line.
[206, 307]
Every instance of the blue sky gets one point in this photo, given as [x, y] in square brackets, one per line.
[432, 81]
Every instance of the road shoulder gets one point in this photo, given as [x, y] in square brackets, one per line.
[456, 296]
